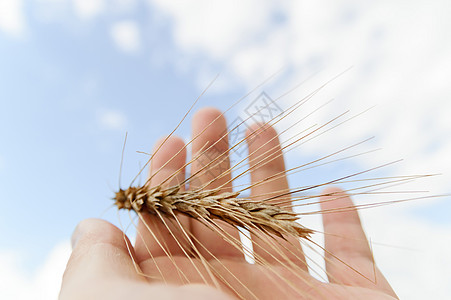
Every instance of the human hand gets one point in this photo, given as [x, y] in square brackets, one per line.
[104, 266]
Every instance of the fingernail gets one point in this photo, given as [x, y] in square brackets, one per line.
[78, 232]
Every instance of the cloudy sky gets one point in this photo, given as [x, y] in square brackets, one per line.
[75, 75]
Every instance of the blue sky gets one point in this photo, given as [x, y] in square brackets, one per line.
[75, 75]
[54, 86]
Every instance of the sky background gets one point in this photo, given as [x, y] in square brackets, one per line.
[75, 75]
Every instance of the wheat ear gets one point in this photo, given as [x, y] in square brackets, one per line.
[213, 204]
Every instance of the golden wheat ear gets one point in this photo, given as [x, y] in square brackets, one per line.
[193, 228]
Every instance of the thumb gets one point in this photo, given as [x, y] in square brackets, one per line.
[99, 253]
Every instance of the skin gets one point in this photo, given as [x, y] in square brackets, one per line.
[101, 265]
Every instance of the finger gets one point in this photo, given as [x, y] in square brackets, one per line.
[213, 167]
[266, 162]
[159, 235]
[349, 259]
[99, 253]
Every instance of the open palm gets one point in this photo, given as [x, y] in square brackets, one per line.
[101, 265]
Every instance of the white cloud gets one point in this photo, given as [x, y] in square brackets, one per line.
[126, 36]
[87, 9]
[212, 26]
[43, 284]
[11, 278]
[112, 120]
[12, 19]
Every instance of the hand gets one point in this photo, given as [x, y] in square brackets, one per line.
[102, 267]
